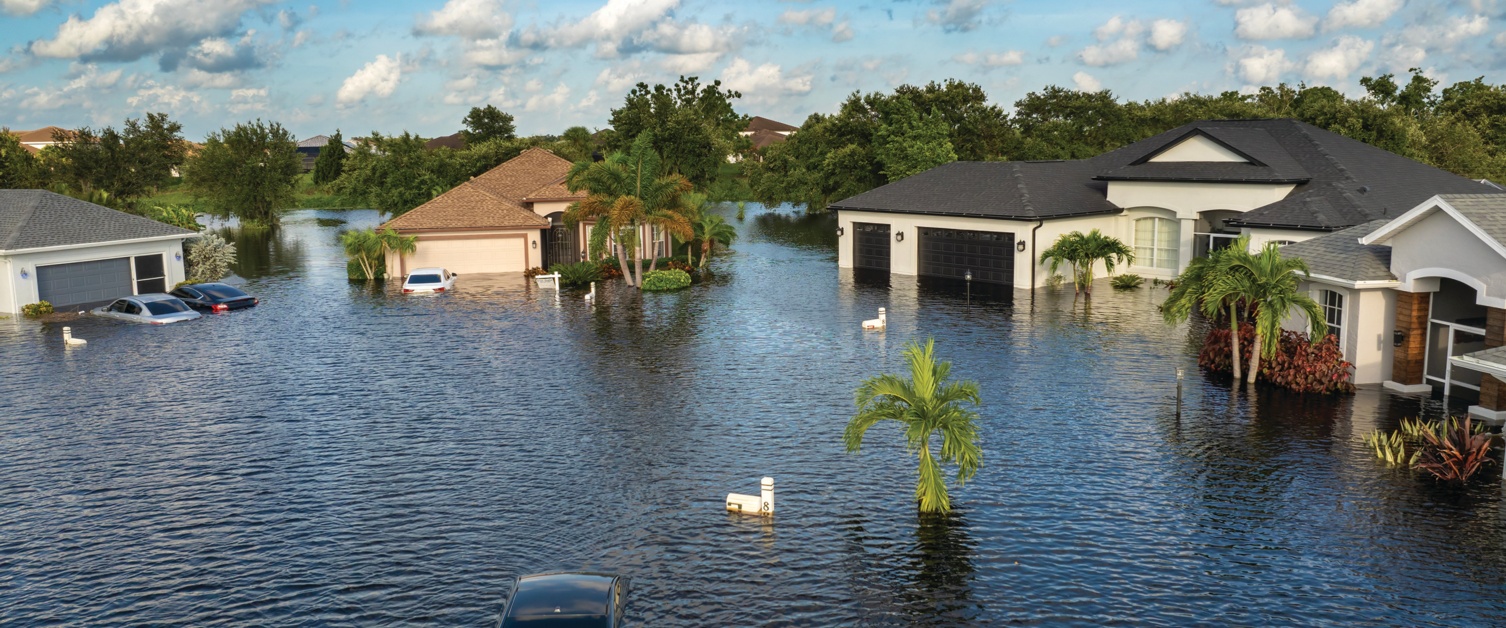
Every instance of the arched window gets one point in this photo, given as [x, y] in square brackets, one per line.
[1157, 241]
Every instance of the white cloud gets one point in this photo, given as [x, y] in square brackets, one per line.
[690, 63]
[22, 7]
[841, 31]
[1117, 26]
[210, 80]
[171, 98]
[1086, 83]
[248, 99]
[622, 77]
[492, 53]
[1167, 34]
[958, 16]
[1445, 34]
[466, 19]
[588, 102]
[1056, 40]
[610, 27]
[1119, 51]
[131, 29]
[1259, 65]
[809, 17]
[552, 101]
[1340, 60]
[765, 83]
[992, 59]
[1360, 13]
[675, 38]
[378, 78]
[1268, 21]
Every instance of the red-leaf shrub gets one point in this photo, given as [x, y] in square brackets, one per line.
[1298, 365]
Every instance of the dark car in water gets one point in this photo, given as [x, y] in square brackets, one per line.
[566, 600]
[215, 297]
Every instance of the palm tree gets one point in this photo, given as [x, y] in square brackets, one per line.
[625, 192]
[925, 404]
[370, 247]
[1082, 252]
[1267, 283]
[710, 230]
[1196, 283]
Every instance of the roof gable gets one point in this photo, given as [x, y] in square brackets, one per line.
[1343, 257]
[467, 206]
[1483, 215]
[38, 136]
[518, 178]
[34, 219]
[760, 123]
[1197, 146]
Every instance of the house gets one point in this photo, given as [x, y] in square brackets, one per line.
[309, 149]
[1173, 197]
[35, 140]
[452, 142]
[763, 132]
[74, 254]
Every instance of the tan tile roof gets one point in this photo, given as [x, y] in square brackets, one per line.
[555, 192]
[760, 123]
[467, 206]
[43, 134]
[518, 177]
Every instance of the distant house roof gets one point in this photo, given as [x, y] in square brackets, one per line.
[760, 123]
[456, 142]
[499, 198]
[39, 136]
[1340, 255]
[320, 141]
[1026, 190]
[763, 138]
[33, 219]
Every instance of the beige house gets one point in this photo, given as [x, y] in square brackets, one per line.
[1173, 197]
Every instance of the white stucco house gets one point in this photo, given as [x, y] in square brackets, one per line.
[1173, 197]
[75, 254]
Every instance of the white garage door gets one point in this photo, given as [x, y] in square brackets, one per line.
[481, 255]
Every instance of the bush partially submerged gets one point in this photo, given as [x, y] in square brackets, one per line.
[1127, 281]
[577, 274]
[665, 280]
[1451, 451]
[209, 259]
[36, 310]
[1298, 365]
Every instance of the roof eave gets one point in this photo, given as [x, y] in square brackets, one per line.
[1201, 179]
[1357, 284]
[82, 245]
[965, 215]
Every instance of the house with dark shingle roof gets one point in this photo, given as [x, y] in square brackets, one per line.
[507, 220]
[309, 149]
[74, 254]
[1173, 197]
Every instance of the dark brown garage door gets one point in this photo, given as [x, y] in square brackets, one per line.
[870, 245]
[952, 253]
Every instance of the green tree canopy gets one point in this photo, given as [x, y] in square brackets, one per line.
[126, 164]
[331, 160]
[1084, 251]
[484, 124]
[694, 126]
[395, 173]
[19, 168]
[246, 171]
[907, 143]
[626, 191]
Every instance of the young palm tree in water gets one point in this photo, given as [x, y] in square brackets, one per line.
[1081, 252]
[926, 405]
[1197, 282]
[711, 230]
[625, 192]
[1267, 283]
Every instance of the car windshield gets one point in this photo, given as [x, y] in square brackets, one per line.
[166, 307]
[221, 292]
[556, 621]
[423, 279]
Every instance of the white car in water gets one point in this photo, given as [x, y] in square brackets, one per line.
[157, 309]
[429, 280]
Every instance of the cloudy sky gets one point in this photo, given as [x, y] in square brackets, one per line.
[364, 65]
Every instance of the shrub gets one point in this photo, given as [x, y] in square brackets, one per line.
[1298, 365]
[36, 310]
[209, 259]
[665, 280]
[175, 215]
[676, 264]
[354, 271]
[533, 272]
[1055, 281]
[577, 274]
[1455, 452]
[1127, 282]
[609, 268]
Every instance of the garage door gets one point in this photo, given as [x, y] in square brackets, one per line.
[83, 283]
[870, 245]
[480, 255]
[952, 253]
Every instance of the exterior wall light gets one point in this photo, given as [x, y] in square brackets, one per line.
[1398, 337]
[535, 244]
[841, 232]
[178, 256]
[899, 236]
[24, 274]
[1020, 246]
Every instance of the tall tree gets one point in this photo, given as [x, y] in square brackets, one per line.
[1194, 287]
[925, 404]
[977, 130]
[331, 160]
[19, 168]
[907, 143]
[625, 192]
[488, 123]
[395, 174]
[694, 126]
[125, 164]
[246, 171]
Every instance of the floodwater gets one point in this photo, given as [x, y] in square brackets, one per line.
[347, 455]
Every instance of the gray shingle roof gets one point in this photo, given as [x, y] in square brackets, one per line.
[1025, 190]
[1487, 211]
[1270, 163]
[31, 219]
[1492, 357]
[1341, 256]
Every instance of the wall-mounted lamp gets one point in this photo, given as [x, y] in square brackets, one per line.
[24, 274]
[899, 236]
[1020, 246]
[841, 232]
[178, 256]
[1398, 337]
[535, 244]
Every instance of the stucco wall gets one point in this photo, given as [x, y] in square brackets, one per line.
[397, 268]
[1369, 320]
[545, 208]
[16, 292]
[1187, 199]
[1198, 148]
[1438, 246]
[1259, 237]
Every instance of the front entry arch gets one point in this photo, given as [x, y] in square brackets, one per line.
[561, 242]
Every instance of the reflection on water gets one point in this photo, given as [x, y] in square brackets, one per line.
[344, 454]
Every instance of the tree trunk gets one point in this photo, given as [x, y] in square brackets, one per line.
[1254, 358]
[705, 253]
[622, 264]
[1234, 342]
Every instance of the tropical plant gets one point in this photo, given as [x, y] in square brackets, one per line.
[578, 273]
[665, 280]
[209, 259]
[925, 404]
[1128, 281]
[1267, 283]
[175, 215]
[1455, 452]
[742, 206]
[625, 192]
[1191, 290]
[368, 249]
[1055, 280]
[710, 230]
[36, 310]
[1392, 448]
[1082, 252]
[1299, 365]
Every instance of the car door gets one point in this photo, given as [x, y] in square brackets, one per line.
[132, 310]
[189, 295]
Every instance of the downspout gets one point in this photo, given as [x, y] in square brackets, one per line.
[1038, 224]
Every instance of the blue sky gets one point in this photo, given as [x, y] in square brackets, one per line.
[364, 65]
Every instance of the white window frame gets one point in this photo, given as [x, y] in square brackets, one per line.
[1331, 311]
[1174, 248]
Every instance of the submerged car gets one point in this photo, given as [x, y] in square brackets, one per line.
[429, 280]
[215, 297]
[566, 600]
[157, 309]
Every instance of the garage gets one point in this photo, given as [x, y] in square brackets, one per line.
[83, 283]
[953, 253]
[463, 254]
[870, 246]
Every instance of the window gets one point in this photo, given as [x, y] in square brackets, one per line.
[1333, 313]
[151, 275]
[1156, 243]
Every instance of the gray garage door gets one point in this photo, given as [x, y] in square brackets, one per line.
[870, 246]
[84, 282]
[953, 253]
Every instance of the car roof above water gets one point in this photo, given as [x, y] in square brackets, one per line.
[150, 297]
[426, 271]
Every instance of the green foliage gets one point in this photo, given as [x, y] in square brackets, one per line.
[395, 173]
[578, 273]
[127, 164]
[626, 191]
[907, 143]
[331, 160]
[665, 280]
[36, 310]
[1391, 448]
[694, 127]
[247, 171]
[19, 169]
[1127, 281]
[209, 259]
[710, 230]
[367, 250]
[576, 144]
[1299, 364]
[924, 404]
[1266, 283]
[1055, 280]
[1084, 251]
[485, 124]
[175, 215]
[1197, 282]
[741, 207]
[1451, 451]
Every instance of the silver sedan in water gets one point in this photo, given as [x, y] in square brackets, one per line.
[157, 309]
